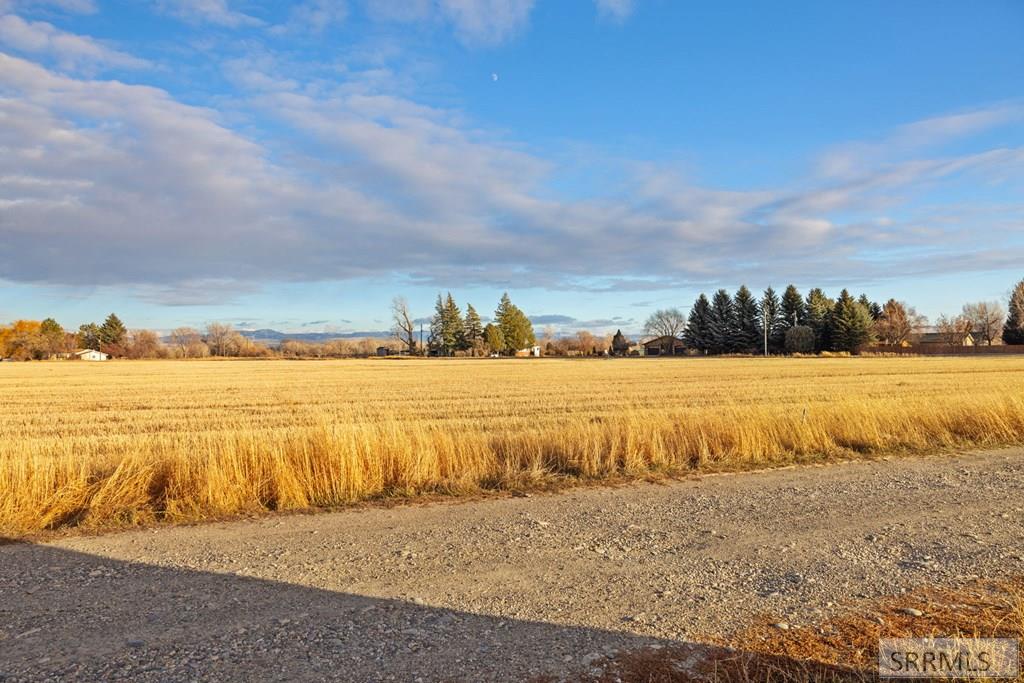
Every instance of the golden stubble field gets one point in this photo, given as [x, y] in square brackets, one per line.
[122, 443]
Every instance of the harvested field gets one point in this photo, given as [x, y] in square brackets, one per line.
[124, 443]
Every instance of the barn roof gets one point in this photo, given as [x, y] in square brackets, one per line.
[662, 340]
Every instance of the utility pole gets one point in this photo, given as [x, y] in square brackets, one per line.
[765, 314]
[421, 338]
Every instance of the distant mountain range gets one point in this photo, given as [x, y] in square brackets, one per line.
[270, 336]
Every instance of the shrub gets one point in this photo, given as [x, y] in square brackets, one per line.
[800, 339]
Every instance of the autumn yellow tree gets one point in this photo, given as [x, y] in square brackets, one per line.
[23, 340]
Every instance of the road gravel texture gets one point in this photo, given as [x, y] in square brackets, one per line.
[503, 588]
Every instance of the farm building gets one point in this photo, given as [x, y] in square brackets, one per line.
[90, 354]
[529, 352]
[664, 346]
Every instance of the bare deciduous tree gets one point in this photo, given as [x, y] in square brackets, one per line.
[898, 323]
[668, 322]
[403, 326]
[144, 344]
[218, 338]
[548, 337]
[986, 319]
[953, 330]
[185, 340]
[587, 342]
[240, 345]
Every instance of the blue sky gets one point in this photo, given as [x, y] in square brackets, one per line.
[296, 165]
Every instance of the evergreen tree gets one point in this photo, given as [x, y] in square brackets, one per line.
[872, 307]
[771, 315]
[819, 318]
[447, 328]
[50, 327]
[452, 327]
[492, 337]
[89, 336]
[472, 328]
[435, 339]
[620, 345]
[1013, 329]
[794, 311]
[721, 324]
[747, 330]
[518, 331]
[698, 327]
[504, 306]
[113, 332]
[851, 324]
[516, 328]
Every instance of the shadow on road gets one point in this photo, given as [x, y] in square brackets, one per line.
[73, 616]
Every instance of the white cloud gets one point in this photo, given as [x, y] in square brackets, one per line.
[107, 183]
[71, 51]
[217, 12]
[487, 21]
[475, 22]
[616, 10]
[911, 138]
[314, 16]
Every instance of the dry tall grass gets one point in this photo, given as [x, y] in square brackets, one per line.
[131, 442]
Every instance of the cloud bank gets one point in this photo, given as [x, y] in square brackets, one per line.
[109, 183]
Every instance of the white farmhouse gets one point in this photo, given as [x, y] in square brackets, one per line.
[90, 354]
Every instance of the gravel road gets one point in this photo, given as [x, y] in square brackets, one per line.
[502, 589]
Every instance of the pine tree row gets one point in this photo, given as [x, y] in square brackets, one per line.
[741, 323]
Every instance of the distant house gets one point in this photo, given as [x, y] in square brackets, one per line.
[929, 338]
[530, 352]
[90, 354]
[664, 346]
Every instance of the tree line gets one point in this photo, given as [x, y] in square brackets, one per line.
[723, 324]
[791, 323]
[38, 340]
[742, 323]
[35, 340]
[451, 332]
